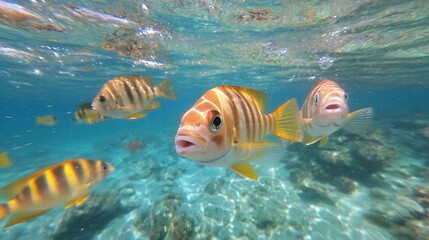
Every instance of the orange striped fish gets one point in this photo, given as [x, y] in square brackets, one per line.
[227, 126]
[131, 96]
[325, 111]
[70, 182]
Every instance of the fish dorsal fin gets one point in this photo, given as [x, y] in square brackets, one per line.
[259, 97]
[324, 141]
[308, 139]
[77, 201]
[148, 80]
[245, 170]
[24, 216]
[359, 120]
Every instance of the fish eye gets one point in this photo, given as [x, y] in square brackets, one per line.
[102, 99]
[216, 121]
[316, 99]
[346, 97]
[104, 167]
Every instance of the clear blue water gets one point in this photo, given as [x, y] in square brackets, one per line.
[366, 186]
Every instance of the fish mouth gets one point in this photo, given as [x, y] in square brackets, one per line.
[185, 144]
[333, 107]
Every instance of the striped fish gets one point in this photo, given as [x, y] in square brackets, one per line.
[227, 127]
[131, 96]
[85, 114]
[69, 182]
[325, 111]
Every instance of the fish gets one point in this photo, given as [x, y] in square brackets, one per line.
[131, 96]
[69, 182]
[227, 127]
[325, 111]
[47, 120]
[5, 160]
[85, 114]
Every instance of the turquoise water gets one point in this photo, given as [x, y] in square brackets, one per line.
[55, 55]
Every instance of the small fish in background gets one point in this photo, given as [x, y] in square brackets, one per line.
[131, 96]
[227, 127]
[5, 160]
[325, 110]
[85, 114]
[70, 182]
[47, 120]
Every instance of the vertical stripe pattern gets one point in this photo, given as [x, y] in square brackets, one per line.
[57, 183]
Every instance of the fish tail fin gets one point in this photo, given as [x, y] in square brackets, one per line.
[288, 121]
[359, 120]
[5, 160]
[4, 211]
[165, 90]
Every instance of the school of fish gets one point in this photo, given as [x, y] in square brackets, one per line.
[228, 126]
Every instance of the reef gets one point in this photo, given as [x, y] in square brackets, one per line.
[89, 219]
[164, 220]
[135, 145]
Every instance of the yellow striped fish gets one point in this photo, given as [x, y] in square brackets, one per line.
[227, 126]
[70, 182]
[85, 113]
[131, 96]
[325, 111]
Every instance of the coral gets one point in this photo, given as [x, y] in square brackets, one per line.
[164, 221]
[135, 145]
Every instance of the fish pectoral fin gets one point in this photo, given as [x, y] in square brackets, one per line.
[154, 104]
[245, 170]
[359, 121]
[23, 216]
[263, 153]
[324, 141]
[308, 139]
[77, 201]
[136, 115]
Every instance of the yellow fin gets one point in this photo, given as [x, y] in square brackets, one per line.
[308, 139]
[165, 90]
[23, 216]
[288, 121]
[245, 170]
[324, 141]
[359, 120]
[136, 115]
[5, 160]
[77, 201]
[259, 97]
[263, 153]
[153, 105]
